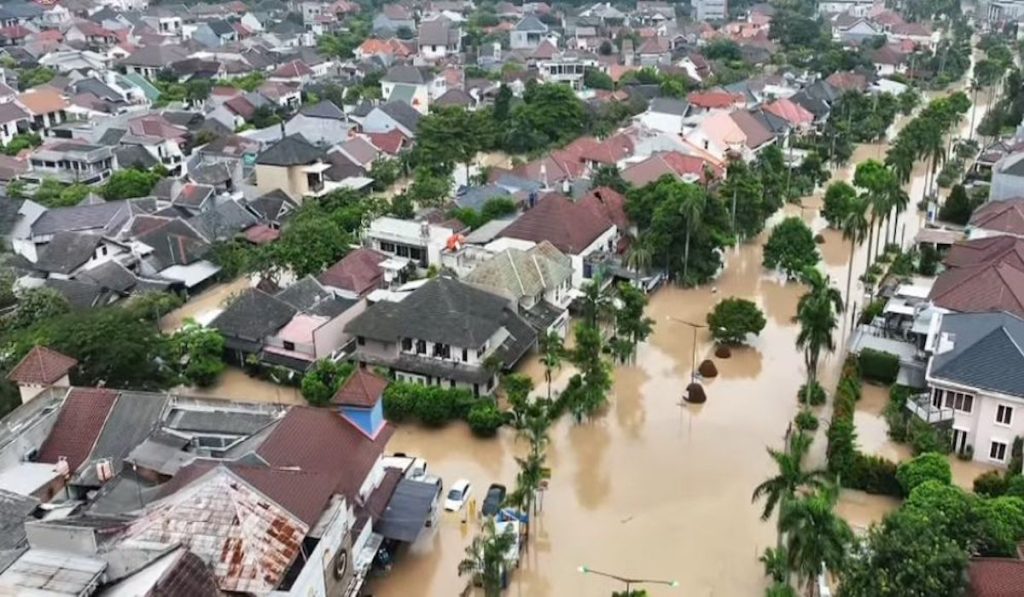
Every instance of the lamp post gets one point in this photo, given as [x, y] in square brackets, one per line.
[693, 358]
[629, 582]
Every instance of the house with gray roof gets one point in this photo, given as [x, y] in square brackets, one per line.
[445, 333]
[293, 165]
[529, 32]
[975, 383]
[439, 38]
[411, 85]
[1007, 178]
[321, 124]
[393, 116]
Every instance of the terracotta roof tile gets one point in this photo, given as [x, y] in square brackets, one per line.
[78, 425]
[980, 288]
[358, 272]
[571, 227]
[362, 389]
[996, 577]
[1001, 216]
[41, 366]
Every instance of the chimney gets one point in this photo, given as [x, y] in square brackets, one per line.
[947, 342]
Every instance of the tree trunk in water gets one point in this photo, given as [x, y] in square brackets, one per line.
[895, 227]
[686, 255]
[880, 242]
[871, 238]
[887, 218]
[849, 273]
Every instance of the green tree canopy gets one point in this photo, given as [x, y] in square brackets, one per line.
[733, 319]
[126, 184]
[791, 248]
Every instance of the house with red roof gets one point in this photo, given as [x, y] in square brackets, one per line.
[576, 228]
[715, 100]
[40, 369]
[356, 274]
[996, 218]
[995, 577]
[794, 114]
[687, 168]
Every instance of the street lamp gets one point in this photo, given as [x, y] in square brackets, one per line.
[693, 358]
[629, 582]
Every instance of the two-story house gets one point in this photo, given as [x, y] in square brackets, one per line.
[973, 382]
[445, 333]
[293, 165]
[439, 38]
[528, 33]
[419, 242]
[71, 162]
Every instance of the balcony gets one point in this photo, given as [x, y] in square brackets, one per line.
[921, 405]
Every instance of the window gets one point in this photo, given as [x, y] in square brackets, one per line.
[403, 251]
[407, 344]
[959, 401]
[421, 347]
[361, 341]
[1004, 414]
[289, 345]
[997, 451]
[387, 247]
[465, 355]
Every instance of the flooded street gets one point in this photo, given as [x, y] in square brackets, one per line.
[655, 488]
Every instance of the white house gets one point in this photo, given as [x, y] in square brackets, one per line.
[420, 242]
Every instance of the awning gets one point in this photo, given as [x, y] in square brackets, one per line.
[408, 511]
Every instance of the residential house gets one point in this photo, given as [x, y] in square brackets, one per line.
[1007, 177]
[971, 380]
[411, 85]
[13, 120]
[710, 10]
[420, 243]
[997, 219]
[665, 114]
[654, 51]
[528, 33]
[392, 18]
[888, 60]
[852, 30]
[71, 162]
[357, 274]
[386, 50]
[392, 116]
[149, 60]
[293, 165]
[46, 106]
[321, 124]
[855, 7]
[444, 333]
[40, 369]
[984, 274]
[215, 33]
[439, 38]
[538, 279]
[566, 67]
[687, 168]
[576, 228]
[69, 253]
[919, 34]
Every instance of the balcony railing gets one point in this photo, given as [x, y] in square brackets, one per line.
[921, 405]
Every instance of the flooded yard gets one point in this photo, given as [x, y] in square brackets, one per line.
[656, 488]
[235, 384]
[204, 306]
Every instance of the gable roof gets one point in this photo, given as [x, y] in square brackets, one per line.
[253, 316]
[517, 273]
[403, 114]
[323, 109]
[362, 389]
[569, 226]
[78, 426]
[41, 366]
[531, 23]
[358, 272]
[405, 73]
[992, 249]
[790, 111]
[994, 286]
[986, 351]
[996, 577]
[293, 150]
[94, 216]
[1005, 216]
[67, 251]
[134, 416]
[756, 134]
[321, 441]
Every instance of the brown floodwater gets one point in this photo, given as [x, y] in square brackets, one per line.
[654, 487]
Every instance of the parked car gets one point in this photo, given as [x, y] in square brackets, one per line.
[457, 495]
[492, 502]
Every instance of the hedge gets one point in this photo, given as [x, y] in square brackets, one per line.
[431, 405]
[879, 366]
[855, 470]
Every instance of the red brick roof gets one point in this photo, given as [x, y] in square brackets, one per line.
[41, 366]
[996, 577]
[390, 142]
[608, 203]
[322, 441]
[713, 99]
[294, 69]
[571, 227]
[362, 389]
[986, 287]
[1001, 216]
[358, 272]
[993, 249]
[78, 425]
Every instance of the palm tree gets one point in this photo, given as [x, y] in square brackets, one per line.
[815, 536]
[777, 491]
[691, 208]
[975, 88]
[485, 557]
[641, 253]
[900, 158]
[900, 201]
[855, 230]
[552, 351]
[881, 206]
[816, 313]
[597, 303]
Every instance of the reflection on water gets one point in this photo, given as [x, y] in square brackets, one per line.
[656, 488]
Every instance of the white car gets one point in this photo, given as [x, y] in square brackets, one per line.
[457, 495]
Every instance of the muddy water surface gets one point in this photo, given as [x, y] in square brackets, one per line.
[655, 488]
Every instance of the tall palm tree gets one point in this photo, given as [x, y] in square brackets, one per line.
[816, 313]
[855, 230]
[641, 253]
[881, 206]
[900, 158]
[975, 88]
[791, 477]
[552, 351]
[900, 201]
[597, 302]
[485, 557]
[691, 208]
[815, 535]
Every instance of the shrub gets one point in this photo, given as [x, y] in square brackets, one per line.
[815, 396]
[926, 438]
[1015, 486]
[872, 310]
[991, 483]
[1001, 525]
[876, 365]
[929, 262]
[929, 466]
[485, 419]
[873, 474]
[806, 421]
[431, 405]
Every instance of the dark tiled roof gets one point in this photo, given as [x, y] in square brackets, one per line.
[41, 366]
[134, 156]
[80, 217]
[363, 389]
[304, 294]
[403, 114]
[293, 150]
[132, 419]
[253, 316]
[78, 425]
[321, 441]
[67, 251]
[442, 310]
[986, 352]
